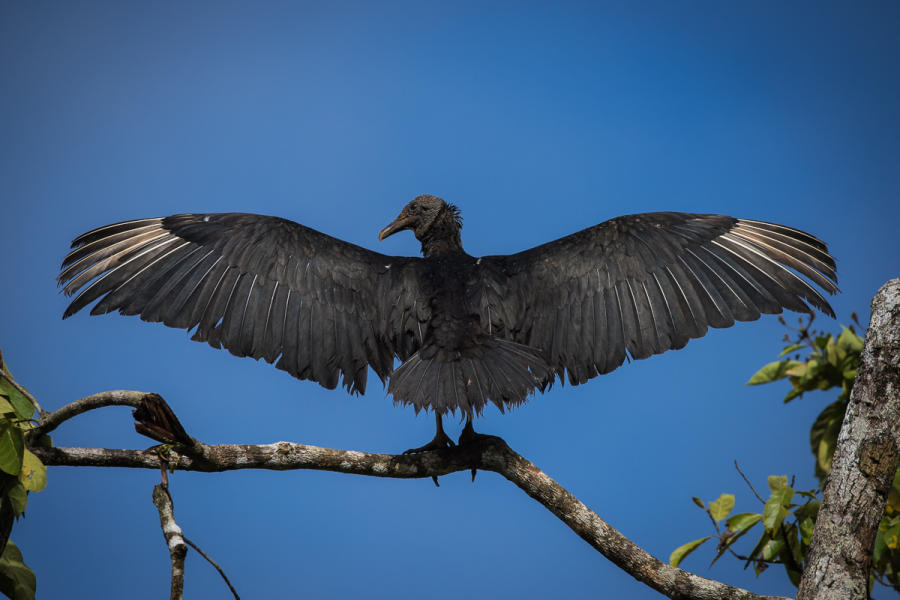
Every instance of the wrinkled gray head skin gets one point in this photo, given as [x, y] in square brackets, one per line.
[417, 216]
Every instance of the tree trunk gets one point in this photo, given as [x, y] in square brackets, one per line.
[865, 460]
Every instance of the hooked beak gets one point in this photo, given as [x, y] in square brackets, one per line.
[399, 224]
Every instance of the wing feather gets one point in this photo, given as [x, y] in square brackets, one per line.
[258, 286]
[642, 284]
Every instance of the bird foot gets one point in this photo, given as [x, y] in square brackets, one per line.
[470, 436]
[441, 440]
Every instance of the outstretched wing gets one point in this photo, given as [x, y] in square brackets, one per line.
[647, 283]
[259, 286]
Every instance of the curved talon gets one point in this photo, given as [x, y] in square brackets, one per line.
[470, 436]
[440, 441]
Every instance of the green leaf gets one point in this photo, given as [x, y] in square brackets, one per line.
[7, 412]
[17, 581]
[12, 447]
[798, 369]
[699, 502]
[755, 553]
[849, 341]
[721, 508]
[810, 510]
[772, 372]
[778, 482]
[892, 536]
[34, 473]
[791, 555]
[879, 550]
[835, 355]
[823, 435]
[682, 551]
[791, 348]
[743, 521]
[808, 376]
[18, 498]
[807, 526]
[824, 454]
[22, 405]
[776, 508]
[793, 575]
[794, 393]
[773, 548]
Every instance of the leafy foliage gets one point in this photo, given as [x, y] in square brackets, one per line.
[831, 363]
[17, 581]
[811, 360]
[21, 472]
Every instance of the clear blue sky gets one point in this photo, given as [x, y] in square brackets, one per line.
[537, 119]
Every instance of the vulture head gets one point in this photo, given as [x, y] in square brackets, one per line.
[428, 217]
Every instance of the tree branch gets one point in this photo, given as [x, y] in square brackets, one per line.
[174, 539]
[864, 464]
[491, 454]
[51, 420]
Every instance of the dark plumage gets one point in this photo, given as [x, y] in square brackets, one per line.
[468, 331]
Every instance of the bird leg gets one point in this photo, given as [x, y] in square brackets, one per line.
[441, 440]
[470, 436]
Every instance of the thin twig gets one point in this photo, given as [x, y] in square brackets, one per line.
[752, 489]
[714, 522]
[750, 559]
[213, 563]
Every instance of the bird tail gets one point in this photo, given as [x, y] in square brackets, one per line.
[504, 373]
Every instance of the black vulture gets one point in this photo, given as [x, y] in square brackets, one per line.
[467, 330]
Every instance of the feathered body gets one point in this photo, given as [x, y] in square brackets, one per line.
[467, 330]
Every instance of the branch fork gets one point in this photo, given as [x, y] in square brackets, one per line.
[489, 453]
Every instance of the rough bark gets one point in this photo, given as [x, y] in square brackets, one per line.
[865, 460]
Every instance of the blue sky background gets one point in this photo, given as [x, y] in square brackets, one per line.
[538, 120]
